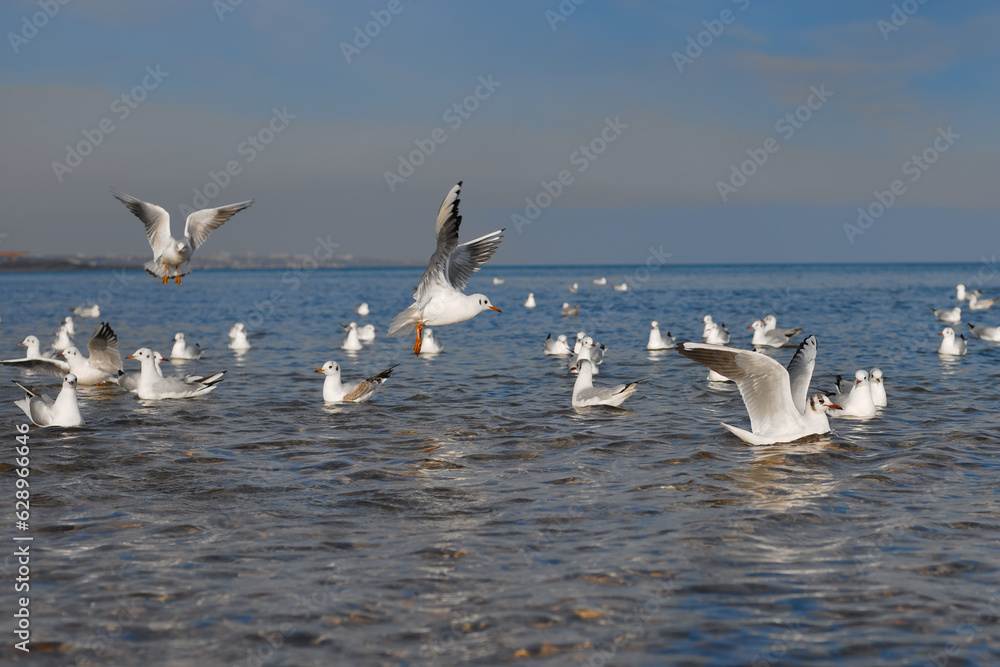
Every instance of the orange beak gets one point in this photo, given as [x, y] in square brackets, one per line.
[750, 327]
[20, 343]
[835, 406]
[494, 308]
[60, 355]
[131, 356]
[941, 334]
[319, 370]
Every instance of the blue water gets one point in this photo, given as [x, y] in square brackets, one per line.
[469, 515]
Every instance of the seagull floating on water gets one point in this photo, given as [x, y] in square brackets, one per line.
[776, 399]
[351, 342]
[92, 311]
[182, 350]
[366, 333]
[978, 303]
[335, 391]
[43, 411]
[439, 300]
[855, 400]
[948, 315]
[656, 340]
[104, 360]
[431, 344]
[716, 334]
[574, 288]
[601, 281]
[878, 388]
[585, 394]
[569, 311]
[530, 301]
[170, 253]
[363, 309]
[620, 287]
[952, 345]
[775, 338]
[980, 331]
[558, 346]
[153, 386]
[239, 337]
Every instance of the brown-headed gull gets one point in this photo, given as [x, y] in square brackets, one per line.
[153, 386]
[182, 350]
[855, 399]
[92, 311]
[951, 344]
[585, 394]
[878, 388]
[530, 301]
[776, 399]
[978, 303]
[438, 299]
[948, 315]
[351, 341]
[657, 341]
[239, 337]
[431, 345]
[335, 391]
[558, 346]
[170, 254]
[764, 338]
[43, 411]
[983, 332]
[104, 360]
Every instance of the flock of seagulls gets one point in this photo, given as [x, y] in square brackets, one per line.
[776, 397]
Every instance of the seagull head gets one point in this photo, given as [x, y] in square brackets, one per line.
[948, 332]
[70, 353]
[771, 319]
[29, 340]
[182, 247]
[329, 368]
[484, 302]
[820, 402]
[876, 375]
[69, 381]
[654, 325]
[756, 325]
[860, 377]
[178, 336]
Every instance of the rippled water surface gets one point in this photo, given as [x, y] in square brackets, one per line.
[469, 515]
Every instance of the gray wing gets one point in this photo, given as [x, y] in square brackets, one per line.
[800, 371]
[470, 257]
[762, 381]
[54, 367]
[156, 219]
[602, 393]
[103, 347]
[201, 224]
[446, 233]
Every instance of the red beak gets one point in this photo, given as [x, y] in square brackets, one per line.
[494, 308]
[835, 406]
[750, 327]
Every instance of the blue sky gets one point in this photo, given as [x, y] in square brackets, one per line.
[554, 87]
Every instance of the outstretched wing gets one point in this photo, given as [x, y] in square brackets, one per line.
[103, 348]
[800, 371]
[446, 234]
[470, 257]
[156, 219]
[53, 367]
[201, 224]
[762, 382]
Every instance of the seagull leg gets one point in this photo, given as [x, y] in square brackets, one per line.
[178, 276]
[416, 346]
[166, 275]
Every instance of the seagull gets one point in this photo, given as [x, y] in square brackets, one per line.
[353, 392]
[771, 324]
[578, 341]
[716, 334]
[34, 350]
[63, 339]
[856, 401]
[69, 326]
[351, 341]
[43, 411]
[588, 350]
[656, 340]
[707, 321]
[129, 380]
[239, 337]
[620, 287]
[961, 294]
[431, 345]
[763, 338]
[438, 299]
[104, 360]
[585, 394]
[182, 350]
[878, 388]
[948, 315]
[497, 281]
[568, 310]
[168, 252]
[363, 309]
[366, 333]
[153, 386]
[952, 345]
[980, 331]
[530, 301]
[92, 312]
[776, 398]
[601, 281]
[976, 303]
[558, 347]
[574, 288]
